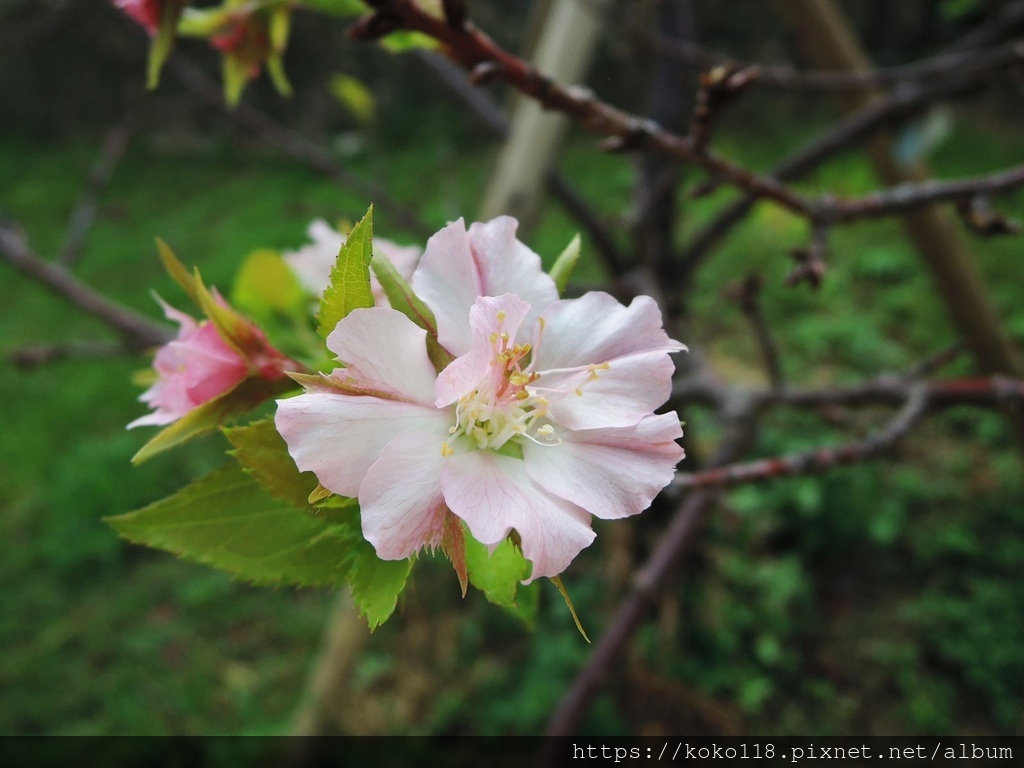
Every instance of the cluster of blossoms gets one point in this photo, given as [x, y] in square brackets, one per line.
[543, 418]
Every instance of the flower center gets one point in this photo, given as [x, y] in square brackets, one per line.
[502, 407]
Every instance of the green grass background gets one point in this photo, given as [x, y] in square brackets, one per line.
[879, 598]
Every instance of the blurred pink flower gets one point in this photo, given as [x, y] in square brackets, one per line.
[545, 418]
[312, 263]
[199, 365]
[145, 12]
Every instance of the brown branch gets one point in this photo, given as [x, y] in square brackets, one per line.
[958, 64]
[84, 213]
[624, 131]
[817, 460]
[38, 355]
[910, 196]
[841, 136]
[645, 586]
[293, 144]
[971, 54]
[491, 115]
[137, 330]
[747, 296]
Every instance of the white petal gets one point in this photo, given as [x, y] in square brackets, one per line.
[629, 389]
[385, 351]
[508, 266]
[446, 280]
[596, 328]
[312, 263]
[611, 473]
[459, 266]
[338, 437]
[400, 498]
[493, 494]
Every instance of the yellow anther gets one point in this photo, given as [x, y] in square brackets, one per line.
[579, 393]
[502, 314]
[447, 450]
[522, 394]
[546, 431]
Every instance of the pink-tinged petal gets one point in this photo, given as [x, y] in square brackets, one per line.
[338, 437]
[619, 396]
[144, 12]
[384, 351]
[493, 494]
[508, 266]
[611, 473]
[312, 263]
[596, 328]
[459, 265]
[493, 321]
[195, 367]
[448, 282]
[400, 498]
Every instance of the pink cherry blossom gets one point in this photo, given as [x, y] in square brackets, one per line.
[145, 12]
[544, 419]
[199, 365]
[312, 263]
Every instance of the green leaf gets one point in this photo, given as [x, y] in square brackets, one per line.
[350, 277]
[496, 574]
[336, 509]
[227, 521]
[203, 22]
[266, 284]
[275, 68]
[376, 584]
[337, 7]
[210, 415]
[406, 40]
[527, 604]
[402, 298]
[235, 329]
[162, 43]
[235, 74]
[260, 448]
[565, 264]
[354, 95]
[557, 581]
[177, 270]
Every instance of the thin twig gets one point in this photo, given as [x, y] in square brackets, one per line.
[748, 298]
[294, 145]
[962, 63]
[817, 460]
[137, 330]
[837, 138]
[561, 188]
[971, 54]
[84, 213]
[645, 586]
[38, 355]
[624, 131]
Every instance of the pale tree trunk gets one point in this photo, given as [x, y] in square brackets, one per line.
[563, 50]
[830, 43]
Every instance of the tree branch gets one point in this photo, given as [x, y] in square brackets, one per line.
[84, 213]
[293, 144]
[646, 584]
[137, 330]
[624, 131]
[817, 460]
